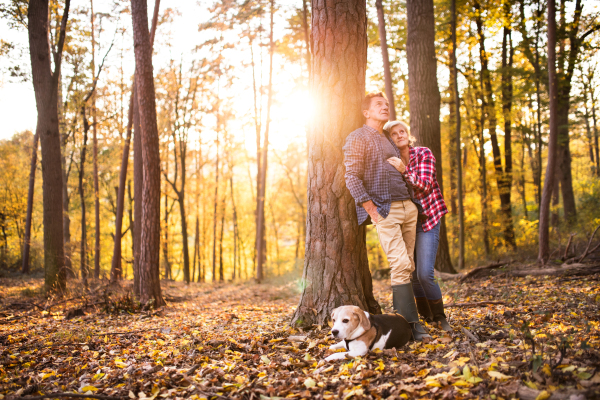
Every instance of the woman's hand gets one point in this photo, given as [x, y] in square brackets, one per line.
[397, 163]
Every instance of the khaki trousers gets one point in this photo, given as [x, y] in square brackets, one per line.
[397, 235]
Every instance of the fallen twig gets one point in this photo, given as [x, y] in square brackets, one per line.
[470, 335]
[585, 252]
[568, 246]
[475, 304]
[573, 269]
[63, 394]
[475, 271]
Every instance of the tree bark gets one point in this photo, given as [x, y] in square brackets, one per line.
[138, 166]
[425, 97]
[459, 193]
[336, 267]
[27, 236]
[543, 251]
[150, 224]
[389, 91]
[45, 84]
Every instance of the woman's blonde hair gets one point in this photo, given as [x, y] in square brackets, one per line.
[390, 124]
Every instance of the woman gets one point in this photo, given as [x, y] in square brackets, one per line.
[417, 165]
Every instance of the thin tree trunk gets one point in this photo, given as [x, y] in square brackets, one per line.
[27, 236]
[150, 224]
[461, 213]
[260, 213]
[138, 185]
[235, 226]
[483, 171]
[221, 272]
[544, 248]
[95, 160]
[116, 271]
[596, 147]
[336, 267]
[83, 245]
[505, 184]
[165, 243]
[306, 36]
[425, 97]
[502, 179]
[45, 84]
[65, 197]
[216, 201]
[389, 90]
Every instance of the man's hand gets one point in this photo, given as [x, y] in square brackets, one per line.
[397, 163]
[371, 209]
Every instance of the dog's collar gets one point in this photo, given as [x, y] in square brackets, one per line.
[377, 336]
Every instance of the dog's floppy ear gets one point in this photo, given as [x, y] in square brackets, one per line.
[333, 312]
[363, 320]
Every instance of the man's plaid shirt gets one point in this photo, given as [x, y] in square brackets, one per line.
[366, 175]
[421, 174]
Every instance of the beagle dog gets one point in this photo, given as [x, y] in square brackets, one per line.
[361, 331]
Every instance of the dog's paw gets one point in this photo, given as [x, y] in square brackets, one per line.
[337, 346]
[336, 356]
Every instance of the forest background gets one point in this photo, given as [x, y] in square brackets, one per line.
[212, 79]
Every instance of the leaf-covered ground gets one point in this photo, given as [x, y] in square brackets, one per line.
[234, 341]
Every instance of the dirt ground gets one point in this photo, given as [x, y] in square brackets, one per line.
[539, 341]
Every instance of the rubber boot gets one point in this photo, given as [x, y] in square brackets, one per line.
[439, 317]
[404, 304]
[424, 310]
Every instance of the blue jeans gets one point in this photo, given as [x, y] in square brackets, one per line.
[423, 279]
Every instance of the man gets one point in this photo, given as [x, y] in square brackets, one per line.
[382, 197]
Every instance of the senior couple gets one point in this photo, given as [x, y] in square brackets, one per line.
[395, 187]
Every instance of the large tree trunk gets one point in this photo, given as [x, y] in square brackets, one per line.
[27, 235]
[45, 84]
[138, 167]
[425, 97]
[389, 90]
[150, 224]
[459, 193]
[544, 233]
[336, 267]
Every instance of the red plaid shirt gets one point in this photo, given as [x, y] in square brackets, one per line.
[420, 172]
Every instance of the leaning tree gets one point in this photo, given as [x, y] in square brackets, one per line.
[336, 268]
[424, 96]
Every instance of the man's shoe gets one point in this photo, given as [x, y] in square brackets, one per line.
[424, 310]
[404, 304]
[439, 317]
